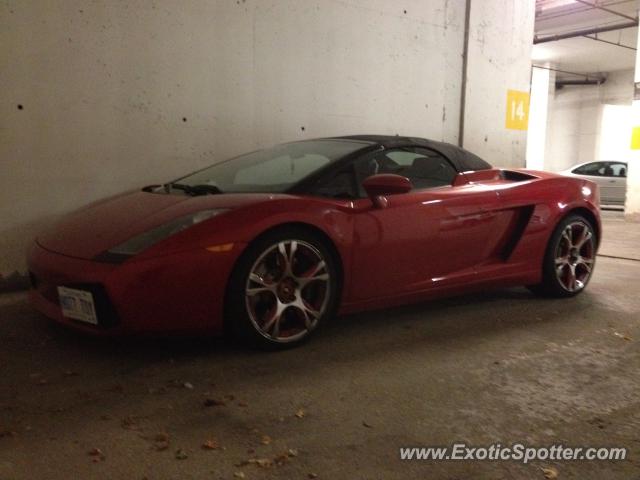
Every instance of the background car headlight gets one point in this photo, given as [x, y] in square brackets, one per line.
[145, 240]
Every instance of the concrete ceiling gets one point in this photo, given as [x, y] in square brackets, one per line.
[582, 54]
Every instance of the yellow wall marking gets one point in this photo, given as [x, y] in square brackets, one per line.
[517, 110]
[635, 138]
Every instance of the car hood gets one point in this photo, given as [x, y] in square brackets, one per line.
[100, 226]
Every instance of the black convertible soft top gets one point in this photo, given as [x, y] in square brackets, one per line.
[461, 159]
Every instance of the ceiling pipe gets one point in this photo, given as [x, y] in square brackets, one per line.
[608, 42]
[605, 9]
[543, 16]
[587, 76]
[581, 33]
[587, 81]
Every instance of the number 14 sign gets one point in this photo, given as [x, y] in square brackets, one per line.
[517, 110]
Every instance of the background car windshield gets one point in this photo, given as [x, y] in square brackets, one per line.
[274, 169]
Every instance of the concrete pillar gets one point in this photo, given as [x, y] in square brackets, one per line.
[632, 204]
[498, 61]
[542, 86]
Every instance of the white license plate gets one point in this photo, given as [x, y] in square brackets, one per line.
[77, 304]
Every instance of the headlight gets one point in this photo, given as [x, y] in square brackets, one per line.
[145, 240]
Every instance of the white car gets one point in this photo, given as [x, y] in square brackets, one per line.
[610, 175]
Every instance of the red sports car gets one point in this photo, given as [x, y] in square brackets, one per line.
[271, 244]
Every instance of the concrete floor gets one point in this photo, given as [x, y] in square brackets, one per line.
[621, 239]
[504, 367]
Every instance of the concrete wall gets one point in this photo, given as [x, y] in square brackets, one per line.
[97, 97]
[574, 128]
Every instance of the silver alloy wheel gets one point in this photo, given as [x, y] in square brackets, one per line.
[287, 290]
[575, 256]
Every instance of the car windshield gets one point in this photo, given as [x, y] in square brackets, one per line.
[270, 170]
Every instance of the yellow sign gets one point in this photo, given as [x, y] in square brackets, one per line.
[517, 110]
[635, 138]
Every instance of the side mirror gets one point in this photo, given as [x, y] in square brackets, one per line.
[379, 186]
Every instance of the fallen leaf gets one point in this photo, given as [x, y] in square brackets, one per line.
[365, 424]
[550, 473]
[278, 460]
[312, 475]
[213, 402]
[181, 454]
[130, 423]
[262, 462]
[161, 446]
[266, 440]
[210, 445]
[161, 437]
[285, 456]
[188, 385]
[238, 474]
[300, 413]
[623, 336]
[96, 455]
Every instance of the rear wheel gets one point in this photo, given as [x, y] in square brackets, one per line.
[283, 288]
[570, 258]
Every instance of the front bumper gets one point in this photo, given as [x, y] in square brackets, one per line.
[180, 292]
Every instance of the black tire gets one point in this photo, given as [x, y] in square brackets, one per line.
[247, 314]
[568, 278]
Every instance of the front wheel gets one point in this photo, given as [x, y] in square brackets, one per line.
[283, 287]
[569, 259]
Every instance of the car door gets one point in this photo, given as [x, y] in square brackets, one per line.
[434, 235]
[617, 182]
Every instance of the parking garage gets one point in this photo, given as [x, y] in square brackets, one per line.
[101, 98]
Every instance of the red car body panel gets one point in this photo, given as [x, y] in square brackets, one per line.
[490, 228]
